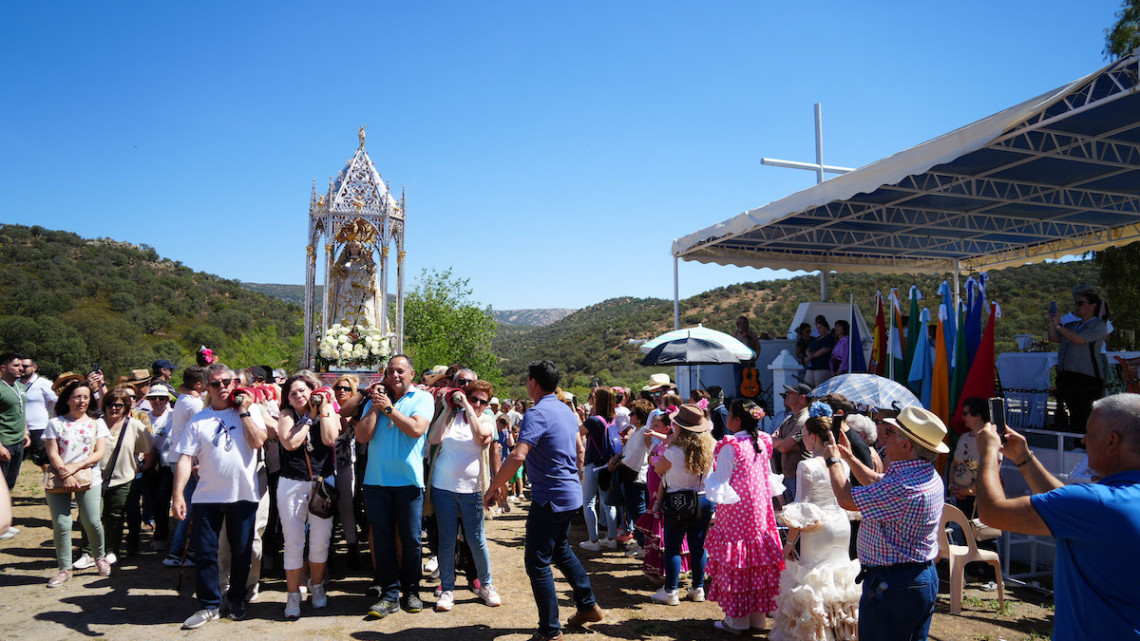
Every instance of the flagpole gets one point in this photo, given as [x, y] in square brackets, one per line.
[890, 340]
[850, 343]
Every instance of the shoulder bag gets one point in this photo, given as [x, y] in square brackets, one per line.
[323, 497]
[53, 482]
[681, 509]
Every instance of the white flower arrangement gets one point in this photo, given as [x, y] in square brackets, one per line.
[343, 346]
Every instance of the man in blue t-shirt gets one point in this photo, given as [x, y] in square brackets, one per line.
[1096, 525]
[548, 442]
[394, 423]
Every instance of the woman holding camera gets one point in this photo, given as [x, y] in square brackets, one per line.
[307, 430]
[460, 473]
[818, 598]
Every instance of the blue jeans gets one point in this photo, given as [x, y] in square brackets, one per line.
[392, 509]
[635, 499]
[546, 533]
[449, 508]
[898, 602]
[178, 540]
[594, 505]
[240, 517]
[697, 558]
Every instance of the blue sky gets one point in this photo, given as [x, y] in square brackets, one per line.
[551, 151]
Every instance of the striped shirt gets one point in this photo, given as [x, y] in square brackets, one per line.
[901, 512]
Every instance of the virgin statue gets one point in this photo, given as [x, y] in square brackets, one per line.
[354, 288]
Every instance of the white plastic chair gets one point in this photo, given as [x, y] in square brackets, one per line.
[960, 555]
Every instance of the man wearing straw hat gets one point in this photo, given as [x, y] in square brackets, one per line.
[901, 509]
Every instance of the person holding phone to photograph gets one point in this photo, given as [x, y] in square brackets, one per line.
[1081, 366]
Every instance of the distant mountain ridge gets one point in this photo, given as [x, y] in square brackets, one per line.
[523, 317]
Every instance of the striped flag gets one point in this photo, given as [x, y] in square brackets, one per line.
[879, 347]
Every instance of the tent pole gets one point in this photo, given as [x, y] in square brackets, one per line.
[676, 297]
[957, 283]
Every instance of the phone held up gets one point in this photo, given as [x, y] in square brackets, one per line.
[997, 415]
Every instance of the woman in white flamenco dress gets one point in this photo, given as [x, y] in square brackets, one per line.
[819, 599]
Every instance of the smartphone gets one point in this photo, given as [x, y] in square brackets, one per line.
[1053, 308]
[997, 415]
[836, 425]
[95, 367]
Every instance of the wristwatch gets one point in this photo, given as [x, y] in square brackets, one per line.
[831, 460]
[243, 415]
[388, 411]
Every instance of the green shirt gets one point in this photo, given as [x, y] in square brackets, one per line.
[11, 413]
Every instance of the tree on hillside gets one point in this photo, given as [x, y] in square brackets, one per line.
[443, 326]
[1123, 37]
[1119, 273]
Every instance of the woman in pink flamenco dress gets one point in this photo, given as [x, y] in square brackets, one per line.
[745, 557]
[651, 523]
[819, 600]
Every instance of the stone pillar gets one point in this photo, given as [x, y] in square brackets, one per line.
[785, 371]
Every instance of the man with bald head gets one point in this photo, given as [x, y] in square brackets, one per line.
[1096, 525]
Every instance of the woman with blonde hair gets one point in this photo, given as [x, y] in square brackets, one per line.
[686, 464]
[345, 388]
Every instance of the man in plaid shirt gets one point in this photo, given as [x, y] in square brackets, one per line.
[898, 540]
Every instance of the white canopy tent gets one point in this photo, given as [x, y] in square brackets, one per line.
[1054, 176]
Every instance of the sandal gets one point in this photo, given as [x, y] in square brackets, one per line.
[724, 627]
[61, 577]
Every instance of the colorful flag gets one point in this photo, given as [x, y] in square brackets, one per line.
[940, 371]
[896, 342]
[961, 363]
[879, 346]
[857, 360]
[921, 368]
[914, 338]
[980, 380]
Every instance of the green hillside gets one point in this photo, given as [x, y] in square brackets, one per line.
[595, 341]
[72, 302]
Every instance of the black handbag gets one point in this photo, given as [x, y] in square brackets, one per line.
[323, 497]
[681, 510]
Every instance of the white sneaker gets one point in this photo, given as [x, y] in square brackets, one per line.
[490, 595]
[432, 565]
[112, 559]
[446, 600]
[84, 562]
[592, 546]
[319, 598]
[609, 544]
[200, 618]
[666, 597]
[9, 533]
[293, 605]
[636, 552]
[252, 594]
[697, 595]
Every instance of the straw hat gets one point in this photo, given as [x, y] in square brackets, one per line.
[690, 417]
[65, 379]
[923, 427]
[138, 376]
[657, 381]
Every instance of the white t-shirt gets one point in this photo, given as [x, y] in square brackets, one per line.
[635, 455]
[160, 427]
[77, 439]
[677, 477]
[40, 403]
[227, 465]
[185, 407]
[457, 465]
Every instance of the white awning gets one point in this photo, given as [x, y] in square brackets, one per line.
[1054, 176]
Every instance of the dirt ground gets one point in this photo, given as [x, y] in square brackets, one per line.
[139, 603]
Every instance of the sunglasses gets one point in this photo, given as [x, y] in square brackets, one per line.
[225, 382]
[479, 401]
[464, 381]
[117, 406]
[342, 388]
[1081, 302]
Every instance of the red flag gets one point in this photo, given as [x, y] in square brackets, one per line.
[980, 380]
[879, 350]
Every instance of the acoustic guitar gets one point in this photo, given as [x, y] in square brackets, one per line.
[749, 381]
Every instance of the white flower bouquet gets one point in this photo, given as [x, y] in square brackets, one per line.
[354, 347]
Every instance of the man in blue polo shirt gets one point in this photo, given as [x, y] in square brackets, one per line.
[1096, 525]
[548, 442]
[394, 423]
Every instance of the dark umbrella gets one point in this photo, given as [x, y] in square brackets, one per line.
[689, 351]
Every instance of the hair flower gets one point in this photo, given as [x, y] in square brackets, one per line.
[819, 408]
[703, 404]
[670, 409]
[757, 413]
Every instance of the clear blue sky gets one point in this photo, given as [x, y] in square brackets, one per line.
[551, 151]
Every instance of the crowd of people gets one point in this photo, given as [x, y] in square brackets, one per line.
[824, 529]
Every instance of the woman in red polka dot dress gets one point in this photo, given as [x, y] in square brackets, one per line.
[745, 555]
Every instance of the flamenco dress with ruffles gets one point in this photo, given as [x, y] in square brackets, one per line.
[819, 599]
[653, 527]
[745, 555]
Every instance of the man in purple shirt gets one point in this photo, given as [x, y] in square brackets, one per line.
[548, 442]
[898, 540]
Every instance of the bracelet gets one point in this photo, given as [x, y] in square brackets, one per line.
[1027, 459]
